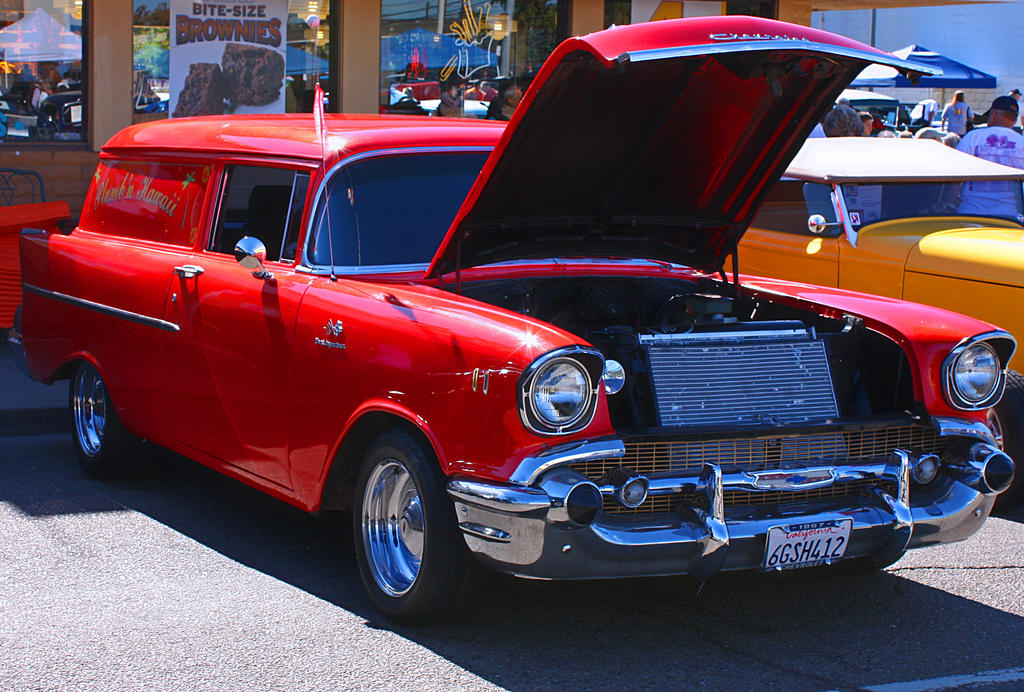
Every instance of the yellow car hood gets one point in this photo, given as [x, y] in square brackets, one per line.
[994, 254]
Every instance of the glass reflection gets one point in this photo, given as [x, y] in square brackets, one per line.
[41, 71]
[457, 57]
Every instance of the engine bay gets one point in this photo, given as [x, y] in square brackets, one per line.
[696, 355]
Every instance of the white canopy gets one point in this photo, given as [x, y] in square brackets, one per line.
[873, 159]
[38, 37]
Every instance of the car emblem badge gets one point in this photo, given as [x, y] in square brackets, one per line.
[333, 329]
[796, 479]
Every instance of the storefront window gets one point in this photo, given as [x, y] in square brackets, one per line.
[309, 53]
[41, 71]
[617, 12]
[636, 11]
[264, 74]
[151, 56]
[752, 8]
[468, 58]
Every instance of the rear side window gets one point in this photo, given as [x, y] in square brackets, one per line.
[391, 210]
[791, 202]
[150, 201]
[264, 203]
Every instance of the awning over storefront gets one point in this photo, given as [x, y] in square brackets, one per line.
[954, 74]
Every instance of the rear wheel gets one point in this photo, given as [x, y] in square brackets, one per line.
[104, 447]
[412, 558]
[1007, 422]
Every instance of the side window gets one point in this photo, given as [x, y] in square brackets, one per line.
[264, 203]
[160, 202]
[391, 210]
[819, 201]
[790, 203]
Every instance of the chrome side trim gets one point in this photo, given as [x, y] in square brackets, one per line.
[958, 427]
[306, 266]
[366, 269]
[531, 468]
[104, 309]
[738, 45]
[500, 498]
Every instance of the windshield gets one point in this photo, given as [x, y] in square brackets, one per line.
[869, 203]
[391, 210]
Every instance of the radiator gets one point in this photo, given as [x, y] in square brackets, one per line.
[747, 376]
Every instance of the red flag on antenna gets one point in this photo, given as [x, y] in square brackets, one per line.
[318, 118]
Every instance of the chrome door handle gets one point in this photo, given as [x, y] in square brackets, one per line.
[188, 271]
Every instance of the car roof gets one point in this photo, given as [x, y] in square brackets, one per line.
[874, 159]
[294, 135]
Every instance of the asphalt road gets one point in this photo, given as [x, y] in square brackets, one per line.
[184, 579]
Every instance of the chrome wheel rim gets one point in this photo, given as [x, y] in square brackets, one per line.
[393, 529]
[996, 427]
[89, 403]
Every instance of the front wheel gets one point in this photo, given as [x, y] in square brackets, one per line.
[1007, 422]
[104, 447]
[412, 558]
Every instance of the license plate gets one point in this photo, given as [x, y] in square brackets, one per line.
[806, 545]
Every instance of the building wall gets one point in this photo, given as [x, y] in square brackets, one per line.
[989, 37]
[68, 169]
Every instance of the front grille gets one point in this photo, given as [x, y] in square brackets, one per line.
[763, 453]
[742, 498]
[768, 452]
[769, 376]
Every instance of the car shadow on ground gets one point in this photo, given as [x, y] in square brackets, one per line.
[814, 629]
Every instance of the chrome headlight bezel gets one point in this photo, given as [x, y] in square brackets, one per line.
[590, 364]
[1001, 345]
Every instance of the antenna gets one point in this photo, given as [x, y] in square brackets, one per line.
[321, 134]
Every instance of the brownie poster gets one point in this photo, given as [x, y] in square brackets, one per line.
[227, 56]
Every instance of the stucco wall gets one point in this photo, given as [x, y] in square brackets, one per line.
[988, 37]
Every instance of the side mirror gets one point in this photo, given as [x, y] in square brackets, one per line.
[251, 253]
[816, 224]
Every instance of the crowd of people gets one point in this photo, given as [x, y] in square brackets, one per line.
[957, 120]
[999, 140]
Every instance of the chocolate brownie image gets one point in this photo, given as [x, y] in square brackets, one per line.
[254, 74]
[204, 91]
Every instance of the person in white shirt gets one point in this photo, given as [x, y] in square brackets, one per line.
[999, 143]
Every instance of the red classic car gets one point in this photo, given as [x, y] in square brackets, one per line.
[519, 347]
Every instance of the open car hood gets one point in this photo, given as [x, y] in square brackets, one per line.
[654, 141]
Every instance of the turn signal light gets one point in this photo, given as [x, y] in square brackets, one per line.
[924, 469]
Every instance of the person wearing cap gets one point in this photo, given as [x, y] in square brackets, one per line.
[999, 143]
[1015, 93]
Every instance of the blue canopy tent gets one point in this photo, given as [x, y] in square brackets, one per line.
[954, 74]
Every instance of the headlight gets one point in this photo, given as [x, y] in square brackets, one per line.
[557, 392]
[976, 373]
[560, 392]
[974, 376]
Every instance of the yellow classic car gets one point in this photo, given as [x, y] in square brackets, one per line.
[899, 218]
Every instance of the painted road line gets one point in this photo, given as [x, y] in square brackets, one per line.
[987, 677]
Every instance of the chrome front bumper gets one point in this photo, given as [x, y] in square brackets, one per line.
[524, 529]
